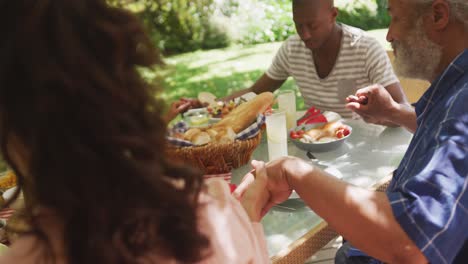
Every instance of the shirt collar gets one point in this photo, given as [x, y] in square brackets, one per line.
[443, 83]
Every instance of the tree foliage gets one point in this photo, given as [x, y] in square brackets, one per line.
[185, 25]
[179, 25]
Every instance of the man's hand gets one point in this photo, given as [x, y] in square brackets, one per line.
[374, 104]
[181, 106]
[176, 108]
[277, 180]
[255, 197]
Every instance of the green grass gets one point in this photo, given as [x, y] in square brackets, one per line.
[220, 71]
[223, 71]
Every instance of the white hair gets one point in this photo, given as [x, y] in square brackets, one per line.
[458, 9]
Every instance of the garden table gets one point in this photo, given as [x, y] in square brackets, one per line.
[367, 158]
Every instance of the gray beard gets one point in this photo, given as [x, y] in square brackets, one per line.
[417, 56]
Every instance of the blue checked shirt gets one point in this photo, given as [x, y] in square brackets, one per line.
[428, 193]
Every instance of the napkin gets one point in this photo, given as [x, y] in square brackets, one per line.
[312, 117]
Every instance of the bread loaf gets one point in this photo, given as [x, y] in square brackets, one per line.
[245, 114]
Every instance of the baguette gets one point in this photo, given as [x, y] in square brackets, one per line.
[245, 114]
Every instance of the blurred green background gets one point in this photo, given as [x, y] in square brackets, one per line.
[186, 25]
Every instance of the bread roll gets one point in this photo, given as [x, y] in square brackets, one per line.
[189, 134]
[201, 138]
[212, 133]
[226, 135]
[245, 114]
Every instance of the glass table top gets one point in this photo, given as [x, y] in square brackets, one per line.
[369, 154]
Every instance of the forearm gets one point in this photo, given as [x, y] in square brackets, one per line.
[363, 217]
[237, 94]
[404, 115]
[396, 91]
[264, 84]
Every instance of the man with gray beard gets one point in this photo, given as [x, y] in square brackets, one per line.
[423, 216]
[427, 194]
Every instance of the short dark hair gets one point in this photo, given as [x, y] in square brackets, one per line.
[71, 92]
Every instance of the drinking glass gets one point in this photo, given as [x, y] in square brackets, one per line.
[287, 103]
[276, 134]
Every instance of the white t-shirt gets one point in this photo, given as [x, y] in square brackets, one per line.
[361, 62]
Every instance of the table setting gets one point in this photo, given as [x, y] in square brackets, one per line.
[365, 156]
[349, 149]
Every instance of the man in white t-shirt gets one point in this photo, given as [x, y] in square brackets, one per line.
[328, 60]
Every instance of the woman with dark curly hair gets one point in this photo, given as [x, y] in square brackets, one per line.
[84, 134]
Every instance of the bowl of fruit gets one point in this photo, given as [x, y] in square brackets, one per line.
[320, 137]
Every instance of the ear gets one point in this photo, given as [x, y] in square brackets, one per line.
[440, 15]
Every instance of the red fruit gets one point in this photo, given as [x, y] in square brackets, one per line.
[292, 134]
[339, 133]
[346, 132]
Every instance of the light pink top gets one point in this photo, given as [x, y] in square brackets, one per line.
[233, 237]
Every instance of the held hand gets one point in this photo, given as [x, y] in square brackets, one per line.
[374, 104]
[278, 184]
[255, 197]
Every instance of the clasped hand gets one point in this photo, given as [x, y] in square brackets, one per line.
[266, 185]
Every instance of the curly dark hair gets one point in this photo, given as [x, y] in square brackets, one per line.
[72, 95]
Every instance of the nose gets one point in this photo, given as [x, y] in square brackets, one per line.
[390, 35]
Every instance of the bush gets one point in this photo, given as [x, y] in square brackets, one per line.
[259, 21]
[185, 25]
[364, 14]
[179, 25]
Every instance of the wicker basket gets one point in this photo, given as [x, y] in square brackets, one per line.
[216, 158]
